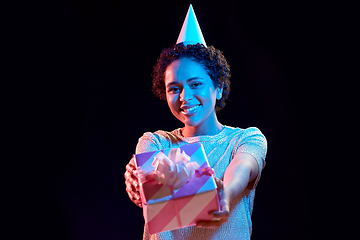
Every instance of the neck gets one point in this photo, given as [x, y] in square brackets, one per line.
[208, 128]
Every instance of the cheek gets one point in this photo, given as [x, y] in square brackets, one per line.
[171, 101]
[207, 98]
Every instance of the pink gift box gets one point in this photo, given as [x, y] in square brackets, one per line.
[165, 207]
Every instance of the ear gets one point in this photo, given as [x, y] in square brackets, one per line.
[219, 91]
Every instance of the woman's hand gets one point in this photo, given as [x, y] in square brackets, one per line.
[132, 184]
[241, 171]
[222, 215]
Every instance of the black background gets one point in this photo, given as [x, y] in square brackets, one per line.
[97, 61]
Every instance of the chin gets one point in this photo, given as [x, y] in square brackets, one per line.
[192, 123]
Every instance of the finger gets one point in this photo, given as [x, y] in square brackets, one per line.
[224, 205]
[220, 214]
[130, 187]
[130, 167]
[219, 183]
[138, 202]
[134, 196]
[135, 183]
[130, 174]
[130, 177]
[126, 175]
[224, 210]
[210, 224]
[131, 181]
[132, 160]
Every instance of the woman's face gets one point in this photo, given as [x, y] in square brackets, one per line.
[190, 93]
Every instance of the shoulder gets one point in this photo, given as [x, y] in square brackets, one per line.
[247, 139]
[253, 132]
[252, 141]
[153, 141]
[253, 135]
[244, 132]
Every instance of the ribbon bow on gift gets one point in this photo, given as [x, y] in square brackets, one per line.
[205, 171]
[173, 170]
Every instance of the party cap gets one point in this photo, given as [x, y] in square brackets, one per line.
[190, 31]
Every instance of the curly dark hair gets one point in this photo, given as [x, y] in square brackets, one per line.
[210, 58]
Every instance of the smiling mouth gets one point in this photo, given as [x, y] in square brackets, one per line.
[189, 111]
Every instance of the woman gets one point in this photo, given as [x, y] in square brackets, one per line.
[195, 82]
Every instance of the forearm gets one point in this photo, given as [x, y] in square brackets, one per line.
[235, 181]
[240, 172]
[242, 169]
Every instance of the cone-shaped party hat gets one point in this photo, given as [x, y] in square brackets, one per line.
[190, 31]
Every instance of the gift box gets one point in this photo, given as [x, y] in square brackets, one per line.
[177, 187]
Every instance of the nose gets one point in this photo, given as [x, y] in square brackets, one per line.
[186, 94]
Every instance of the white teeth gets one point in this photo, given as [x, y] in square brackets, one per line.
[190, 110]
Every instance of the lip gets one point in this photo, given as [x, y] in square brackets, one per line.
[189, 109]
[184, 107]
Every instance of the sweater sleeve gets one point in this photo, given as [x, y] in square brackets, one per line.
[147, 143]
[253, 142]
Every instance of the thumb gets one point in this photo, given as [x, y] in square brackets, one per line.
[219, 184]
[224, 205]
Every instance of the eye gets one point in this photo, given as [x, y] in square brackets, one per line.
[196, 84]
[173, 89]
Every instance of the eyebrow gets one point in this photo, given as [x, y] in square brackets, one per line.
[190, 79]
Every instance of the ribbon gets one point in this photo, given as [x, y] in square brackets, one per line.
[205, 171]
[175, 169]
[142, 176]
